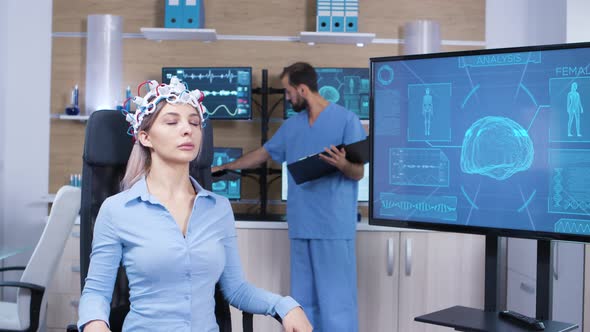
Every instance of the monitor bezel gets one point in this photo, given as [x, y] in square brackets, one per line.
[222, 67]
[241, 177]
[285, 102]
[504, 232]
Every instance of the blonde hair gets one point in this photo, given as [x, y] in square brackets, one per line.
[140, 159]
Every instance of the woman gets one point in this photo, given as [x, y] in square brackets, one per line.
[175, 239]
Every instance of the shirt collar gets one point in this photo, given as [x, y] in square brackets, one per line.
[140, 190]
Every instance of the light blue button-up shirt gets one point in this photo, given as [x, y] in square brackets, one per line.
[171, 277]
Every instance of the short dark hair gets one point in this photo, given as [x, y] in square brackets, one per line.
[301, 73]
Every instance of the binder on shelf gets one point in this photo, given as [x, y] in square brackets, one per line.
[194, 14]
[338, 7]
[323, 21]
[173, 14]
[312, 167]
[351, 13]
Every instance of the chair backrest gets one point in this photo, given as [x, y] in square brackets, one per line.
[44, 260]
[106, 151]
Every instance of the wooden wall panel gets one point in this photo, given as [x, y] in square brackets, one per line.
[143, 59]
[459, 19]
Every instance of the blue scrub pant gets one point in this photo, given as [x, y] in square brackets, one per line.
[323, 281]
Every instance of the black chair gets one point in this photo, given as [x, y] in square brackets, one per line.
[106, 150]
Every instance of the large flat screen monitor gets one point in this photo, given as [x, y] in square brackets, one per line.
[347, 87]
[363, 195]
[228, 185]
[228, 90]
[488, 142]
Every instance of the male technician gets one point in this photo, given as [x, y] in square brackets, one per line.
[321, 213]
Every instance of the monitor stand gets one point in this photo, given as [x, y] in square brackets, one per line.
[470, 319]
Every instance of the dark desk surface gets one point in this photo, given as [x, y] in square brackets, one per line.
[470, 319]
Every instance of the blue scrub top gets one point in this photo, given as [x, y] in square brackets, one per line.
[325, 208]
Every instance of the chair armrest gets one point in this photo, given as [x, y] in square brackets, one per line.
[36, 298]
[12, 268]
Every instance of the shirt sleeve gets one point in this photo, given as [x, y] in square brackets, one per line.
[354, 131]
[95, 302]
[240, 293]
[276, 146]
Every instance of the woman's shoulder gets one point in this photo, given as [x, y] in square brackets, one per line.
[116, 201]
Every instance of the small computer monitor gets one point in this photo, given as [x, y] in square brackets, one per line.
[347, 87]
[227, 90]
[228, 185]
[363, 195]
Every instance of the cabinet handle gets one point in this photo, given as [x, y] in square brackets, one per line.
[408, 257]
[390, 257]
[555, 263]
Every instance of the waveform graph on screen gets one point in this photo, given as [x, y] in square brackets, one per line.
[405, 207]
[227, 90]
[569, 182]
[573, 226]
[418, 167]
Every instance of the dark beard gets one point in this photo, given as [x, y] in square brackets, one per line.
[300, 107]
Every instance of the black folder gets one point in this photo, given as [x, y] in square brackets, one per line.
[312, 167]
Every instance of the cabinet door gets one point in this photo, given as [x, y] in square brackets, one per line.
[378, 276]
[437, 271]
[265, 260]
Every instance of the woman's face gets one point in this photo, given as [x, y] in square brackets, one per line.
[175, 136]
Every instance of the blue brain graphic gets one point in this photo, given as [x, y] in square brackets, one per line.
[496, 147]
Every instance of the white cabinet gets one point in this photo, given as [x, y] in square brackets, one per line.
[401, 275]
[265, 259]
[378, 277]
[567, 270]
[438, 271]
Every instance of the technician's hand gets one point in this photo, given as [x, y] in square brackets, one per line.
[96, 326]
[216, 169]
[335, 157]
[296, 321]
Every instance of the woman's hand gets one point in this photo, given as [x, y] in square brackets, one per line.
[296, 321]
[96, 326]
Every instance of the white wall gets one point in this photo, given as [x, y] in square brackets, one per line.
[511, 23]
[578, 22]
[25, 67]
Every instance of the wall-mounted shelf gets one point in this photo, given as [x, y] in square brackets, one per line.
[70, 117]
[309, 37]
[206, 35]
[357, 38]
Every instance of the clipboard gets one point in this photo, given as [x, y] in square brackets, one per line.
[312, 167]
